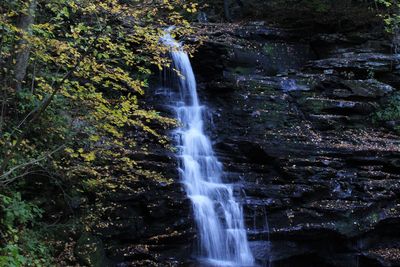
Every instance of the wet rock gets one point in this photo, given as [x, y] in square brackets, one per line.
[358, 62]
[261, 250]
[316, 177]
[123, 229]
[367, 88]
[90, 251]
[271, 58]
[281, 250]
[336, 107]
[385, 256]
[354, 89]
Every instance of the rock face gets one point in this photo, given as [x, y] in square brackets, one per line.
[291, 114]
[292, 122]
[151, 228]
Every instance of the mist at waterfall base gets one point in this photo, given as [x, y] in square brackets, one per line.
[219, 217]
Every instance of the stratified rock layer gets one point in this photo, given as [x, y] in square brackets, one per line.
[292, 121]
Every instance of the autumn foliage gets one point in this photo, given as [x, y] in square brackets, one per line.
[72, 75]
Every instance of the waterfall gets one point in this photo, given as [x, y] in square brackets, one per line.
[219, 217]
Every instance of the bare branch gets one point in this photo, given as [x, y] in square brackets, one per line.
[5, 178]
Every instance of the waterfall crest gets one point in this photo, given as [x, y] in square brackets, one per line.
[219, 217]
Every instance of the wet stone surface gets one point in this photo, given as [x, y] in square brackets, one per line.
[317, 176]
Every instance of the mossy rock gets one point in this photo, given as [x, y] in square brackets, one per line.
[90, 251]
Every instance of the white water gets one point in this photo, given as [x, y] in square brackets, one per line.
[221, 231]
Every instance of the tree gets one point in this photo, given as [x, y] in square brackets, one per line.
[71, 94]
[25, 22]
[87, 50]
[391, 17]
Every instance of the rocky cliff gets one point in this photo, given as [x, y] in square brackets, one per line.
[292, 116]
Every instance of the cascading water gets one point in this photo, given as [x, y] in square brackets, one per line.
[219, 218]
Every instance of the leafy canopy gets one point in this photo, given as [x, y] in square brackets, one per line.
[78, 115]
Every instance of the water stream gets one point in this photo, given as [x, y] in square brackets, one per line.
[219, 217]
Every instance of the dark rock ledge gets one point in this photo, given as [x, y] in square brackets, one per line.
[292, 120]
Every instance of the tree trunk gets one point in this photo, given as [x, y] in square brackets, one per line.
[22, 57]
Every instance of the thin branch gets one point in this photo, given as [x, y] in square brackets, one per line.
[4, 180]
[33, 77]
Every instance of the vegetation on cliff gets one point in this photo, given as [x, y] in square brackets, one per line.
[72, 73]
